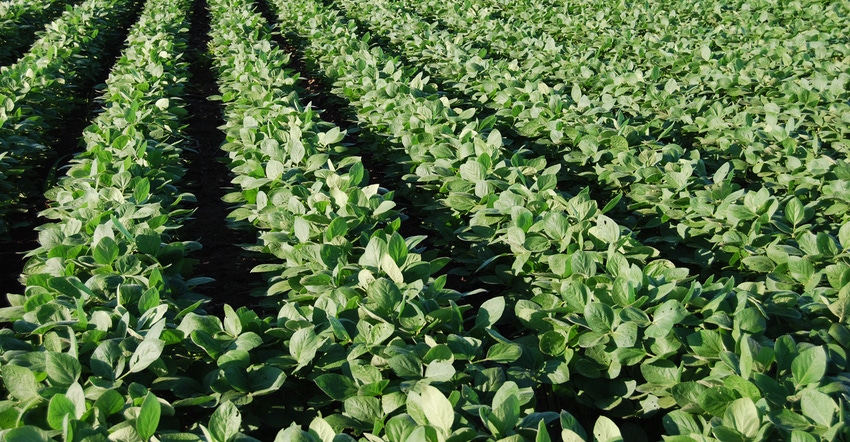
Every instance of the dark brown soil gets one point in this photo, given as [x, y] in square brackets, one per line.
[207, 177]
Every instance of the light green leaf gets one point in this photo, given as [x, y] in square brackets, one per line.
[490, 312]
[605, 430]
[225, 422]
[146, 353]
[818, 407]
[303, 346]
[809, 366]
[504, 352]
[743, 416]
[20, 382]
[437, 409]
[62, 368]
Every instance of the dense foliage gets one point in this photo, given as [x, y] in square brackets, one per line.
[646, 204]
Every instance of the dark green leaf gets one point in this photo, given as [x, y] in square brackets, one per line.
[148, 419]
[337, 386]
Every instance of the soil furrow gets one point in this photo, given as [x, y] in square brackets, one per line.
[208, 178]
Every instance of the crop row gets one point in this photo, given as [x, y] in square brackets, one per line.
[19, 21]
[775, 241]
[664, 184]
[360, 333]
[631, 333]
[39, 90]
[363, 331]
[105, 286]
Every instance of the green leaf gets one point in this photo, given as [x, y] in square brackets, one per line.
[715, 400]
[399, 428]
[20, 382]
[397, 249]
[110, 402]
[337, 386]
[743, 416]
[599, 316]
[337, 227]
[605, 430]
[660, 372]
[225, 422]
[105, 251]
[406, 366]
[818, 407]
[802, 436]
[583, 264]
[795, 212]
[809, 366]
[59, 407]
[665, 317]
[504, 352]
[146, 353]
[142, 190]
[490, 312]
[148, 419]
[27, 434]
[437, 409]
[62, 368]
[844, 235]
[363, 408]
[303, 346]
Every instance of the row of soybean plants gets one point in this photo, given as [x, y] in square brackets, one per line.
[43, 87]
[747, 102]
[98, 333]
[787, 233]
[19, 21]
[369, 342]
[714, 205]
[639, 336]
